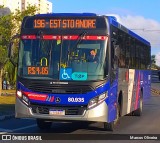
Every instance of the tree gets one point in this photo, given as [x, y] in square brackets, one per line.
[5, 34]
[10, 25]
[153, 59]
[153, 62]
[18, 17]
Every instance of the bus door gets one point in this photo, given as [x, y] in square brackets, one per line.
[123, 80]
[127, 86]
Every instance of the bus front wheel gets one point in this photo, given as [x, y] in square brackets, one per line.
[111, 126]
[43, 124]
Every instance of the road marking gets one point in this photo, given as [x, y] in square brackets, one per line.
[27, 119]
[155, 91]
[5, 131]
[18, 129]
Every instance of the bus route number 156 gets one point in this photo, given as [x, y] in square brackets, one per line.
[75, 99]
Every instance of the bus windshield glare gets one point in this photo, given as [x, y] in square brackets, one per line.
[63, 58]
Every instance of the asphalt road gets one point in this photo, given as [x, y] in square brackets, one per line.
[148, 123]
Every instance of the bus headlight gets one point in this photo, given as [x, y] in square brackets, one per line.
[22, 97]
[19, 94]
[97, 100]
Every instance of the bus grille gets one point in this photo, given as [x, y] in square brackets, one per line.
[68, 110]
[57, 89]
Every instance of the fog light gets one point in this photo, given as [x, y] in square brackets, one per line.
[92, 102]
[25, 99]
[102, 97]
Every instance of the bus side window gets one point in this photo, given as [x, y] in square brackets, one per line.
[116, 55]
[112, 54]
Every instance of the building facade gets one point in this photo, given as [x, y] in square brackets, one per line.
[11, 5]
[44, 6]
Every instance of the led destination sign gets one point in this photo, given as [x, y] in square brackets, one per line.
[65, 23]
[37, 70]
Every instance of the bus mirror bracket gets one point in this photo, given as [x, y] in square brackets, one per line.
[10, 49]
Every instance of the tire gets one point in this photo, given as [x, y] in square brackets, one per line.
[43, 124]
[111, 126]
[138, 112]
[130, 114]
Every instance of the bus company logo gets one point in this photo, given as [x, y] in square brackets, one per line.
[57, 100]
[50, 98]
[6, 137]
[58, 82]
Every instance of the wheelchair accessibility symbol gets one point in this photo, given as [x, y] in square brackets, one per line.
[65, 74]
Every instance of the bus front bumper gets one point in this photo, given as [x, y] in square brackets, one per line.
[97, 114]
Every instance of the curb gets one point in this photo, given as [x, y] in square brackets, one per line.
[7, 94]
[155, 91]
[5, 117]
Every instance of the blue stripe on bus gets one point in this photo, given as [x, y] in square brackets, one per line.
[64, 97]
[138, 37]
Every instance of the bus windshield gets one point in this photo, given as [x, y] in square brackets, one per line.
[63, 58]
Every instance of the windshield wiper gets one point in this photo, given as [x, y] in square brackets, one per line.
[79, 39]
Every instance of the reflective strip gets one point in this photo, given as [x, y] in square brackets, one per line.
[34, 96]
[74, 37]
[28, 37]
[52, 37]
[66, 37]
[137, 91]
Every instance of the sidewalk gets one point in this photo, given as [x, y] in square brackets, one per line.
[8, 92]
[155, 88]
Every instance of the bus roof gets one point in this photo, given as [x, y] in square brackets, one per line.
[66, 14]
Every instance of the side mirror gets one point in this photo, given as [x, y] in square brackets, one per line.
[11, 49]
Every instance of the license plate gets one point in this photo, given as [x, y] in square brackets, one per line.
[57, 112]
